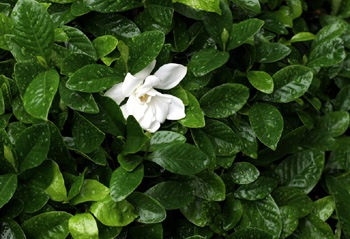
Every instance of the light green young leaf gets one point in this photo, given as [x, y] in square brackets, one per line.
[82, 226]
[209, 6]
[261, 81]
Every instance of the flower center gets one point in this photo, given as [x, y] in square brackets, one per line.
[144, 98]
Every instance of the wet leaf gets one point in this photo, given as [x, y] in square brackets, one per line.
[212, 6]
[335, 123]
[91, 190]
[34, 198]
[136, 138]
[104, 45]
[256, 190]
[83, 225]
[324, 208]
[8, 186]
[232, 212]
[244, 173]
[209, 186]
[290, 220]
[111, 6]
[261, 80]
[162, 139]
[11, 229]
[194, 114]
[268, 52]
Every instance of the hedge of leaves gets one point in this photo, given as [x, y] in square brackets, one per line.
[263, 151]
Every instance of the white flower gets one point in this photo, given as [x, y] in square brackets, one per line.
[150, 107]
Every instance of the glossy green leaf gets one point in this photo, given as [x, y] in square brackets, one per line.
[161, 11]
[324, 208]
[204, 143]
[74, 62]
[295, 197]
[302, 36]
[36, 40]
[83, 225]
[209, 186]
[172, 194]
[269, 52]
[24, 73]
[12, 209]
[80, 101]
[194, 114]
[290, 222]
[76, 186]
[290, 83]
[129, 162]
[267, 123]
[261, 81]
[224, 140]
[207, 60]
[144, 49]
[111, 6]
[253, 5]
[201, 212]
[87, 137]
[256, 190]
[244, 173]
[34, 198]
[11, 229]
[264, 215]
[49, 178]
[148, 209]
[302, 170]
[123, 183]
[248, 139]
[162, 139]
[93, 78]
[243, 31]
[250, 232]
[8, 186]
[91, 190]
[32, 146]
[182, 159]
[104, 45]
[335, 123]
[232, 212]
[224, 100]
[313, 227]
[52, 224]
[79, 42]
[111, 213]
[211, 6]
[39, 95]
[135, 139]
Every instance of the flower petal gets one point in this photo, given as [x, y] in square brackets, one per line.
[145, 71]
[170, 75]
[176, 109]
[148, 118]
[130, 84]
[148, 85]
[161, 106]
[135, 108]
[154, 127]
[124, 111]
[116, 93]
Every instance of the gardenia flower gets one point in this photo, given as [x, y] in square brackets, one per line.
[150, 107]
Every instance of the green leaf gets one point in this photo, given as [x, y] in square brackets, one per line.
[108, 6]
[313, 227]
[253, 5]
[93, 78]
[32, 146]
[324, 208]
[135, 137]
[162, 139]
[123, 183]
[203, 142]
[247, 136]
[263, 214]
[111, 213]
[250, 232]
[339, 189]
[290, 82]
[74, 62]
[172, 194]
[194, 114]
[295, 197]
[342, 100]
[87, 137]
[49, 178]
[302, 36]
[8, 186]
[209, 186]
[91, 190]
[35, 39]
[144, 49]
[207, 60]
[244, 173]
[47, 224]
[34, 198]
[154, 231]
[302, 170]
[148, 209]
[335, 123]
[184, 159]
[130, 162]
[161, 11]
[224, 140]
[105, 45]
[290, 220]
[12, 209]
[243, 31]
[11, 229]
[224, 100]
[39, 95]
[267, 123]
[232, 212]
[256, 190]
[209, 6]
[269, 52]
[79, 101]
[83, 225]
[24, 73]
[79, 42]
[261, 81]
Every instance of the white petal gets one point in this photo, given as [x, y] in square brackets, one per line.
[176, 109]
[161, 106]
[154, 127]
[125, 111]
[116, 93]
[130, 84]
[148, 85]
[146, 71]
[170, 75]
[135, 108]
[148, 118]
